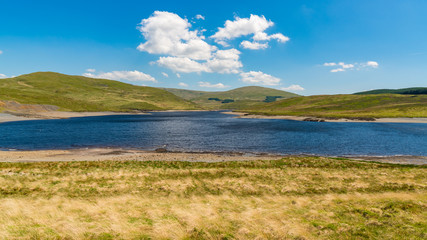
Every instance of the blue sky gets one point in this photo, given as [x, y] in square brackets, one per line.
[323, 47]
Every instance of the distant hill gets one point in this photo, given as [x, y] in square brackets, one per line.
[410, 91]
[242, 97]
[186, 94]
[347, 106]
[77, 93]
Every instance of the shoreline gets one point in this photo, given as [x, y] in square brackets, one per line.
[316, 119]
[121, 154]
[15, 117]
[12, 117]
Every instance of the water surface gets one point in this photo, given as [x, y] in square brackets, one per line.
[214, 131]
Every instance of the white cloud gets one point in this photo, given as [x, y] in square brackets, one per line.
[372, 64]
[181, 84]
[165, 74]
[178, 75]
[123, 75]
[255, 25]
[342, 67]
[2, 76]
[198, 16]
[91, 70]
[1, 52]
[293, 87]
[338, 70]
[182, 64]
[345, 66]
[261, 78]
[223, 61]
[253, 45]
[167, 33]
[210, 85]
[329, 64]
[242, 27]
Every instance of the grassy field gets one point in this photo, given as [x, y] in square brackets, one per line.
[347, 106]
[77, 93]
[292, 198]
[244, 97]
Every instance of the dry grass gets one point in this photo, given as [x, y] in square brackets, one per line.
[293, 198]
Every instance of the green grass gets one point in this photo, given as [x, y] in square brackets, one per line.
[347, 106]
[77, 93]
[292, 198]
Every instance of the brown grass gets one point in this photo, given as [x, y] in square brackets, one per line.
[293, 198]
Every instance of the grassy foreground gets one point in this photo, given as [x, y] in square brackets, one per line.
[292, 198]
[347, 106]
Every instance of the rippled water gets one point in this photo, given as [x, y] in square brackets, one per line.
[214, 131]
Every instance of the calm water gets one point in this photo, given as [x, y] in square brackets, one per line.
[213, 131]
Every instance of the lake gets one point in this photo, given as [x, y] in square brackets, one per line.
[214, 131]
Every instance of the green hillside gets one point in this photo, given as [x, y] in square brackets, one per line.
[243, 97]
[347, 106]
[186, 94]
[77, 93]
[411, 91]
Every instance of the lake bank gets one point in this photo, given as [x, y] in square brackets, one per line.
[319, 119]
[117, 154]
[13, 117]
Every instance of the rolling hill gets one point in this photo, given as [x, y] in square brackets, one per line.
[347, 106]
[242, 97]
[77, 93]
[410, 91]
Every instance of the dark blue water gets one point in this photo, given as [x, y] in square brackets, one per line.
[214, 131]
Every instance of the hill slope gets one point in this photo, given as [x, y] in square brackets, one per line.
[77, 93]
[347, 106]
[411, 91]
[242, 97]
[186, 94]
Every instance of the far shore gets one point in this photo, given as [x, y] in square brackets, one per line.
[315, 119]
[120, 154]
[12, 117]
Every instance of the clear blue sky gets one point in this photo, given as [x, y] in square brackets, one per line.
[367, 44]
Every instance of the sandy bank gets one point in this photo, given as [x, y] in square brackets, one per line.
[104, 154]
[101, 154]
[302, 118]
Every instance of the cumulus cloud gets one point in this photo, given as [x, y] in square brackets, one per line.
[372, 64]
[135, 76]
[337, 70]
[169, 34]
[253, 45]
[210, 85]
[342, 67]
[260, 78]
[181, 84]
[182, 64]
[293, 87]
[2, 76]
[254, 25]
[91, 70]
[223, 61]
[198, 16]
[178, 75]
[165, 74]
